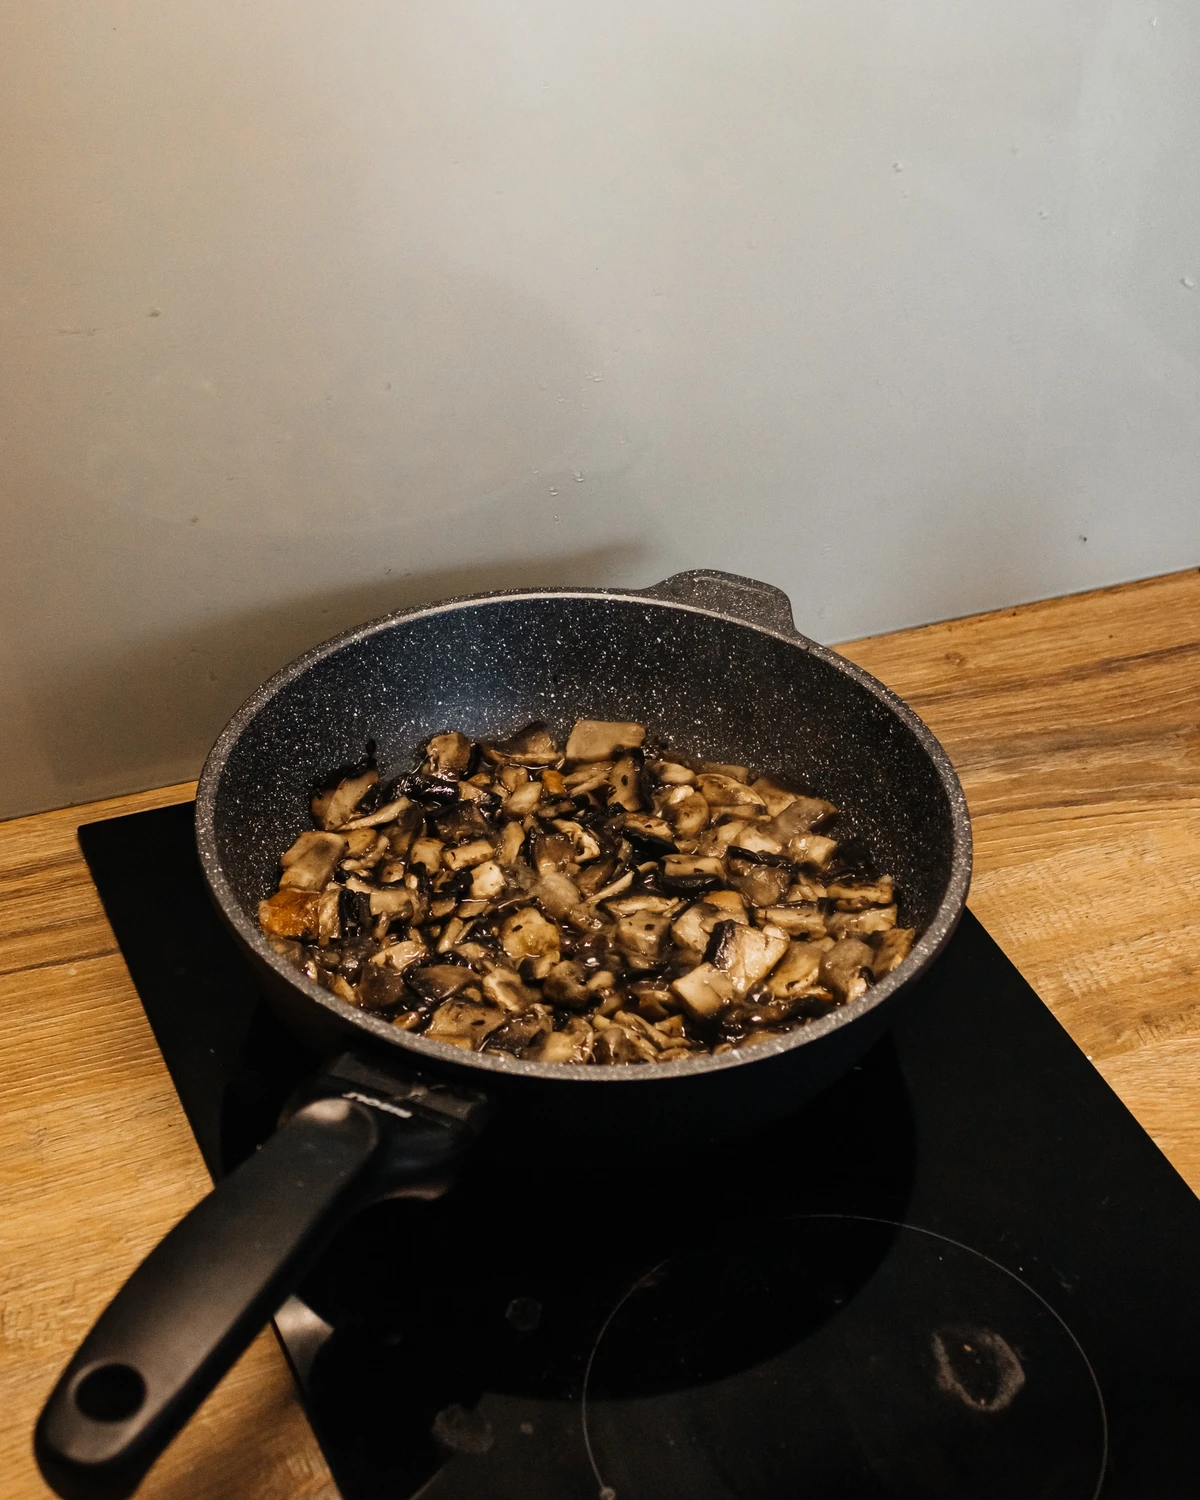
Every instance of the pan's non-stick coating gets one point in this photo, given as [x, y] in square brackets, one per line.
[711, 686]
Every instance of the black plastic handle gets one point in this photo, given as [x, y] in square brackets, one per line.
[730, 593]
[197, 1300]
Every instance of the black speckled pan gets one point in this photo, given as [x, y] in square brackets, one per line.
[708, 661]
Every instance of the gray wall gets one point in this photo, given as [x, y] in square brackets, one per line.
[310, 310]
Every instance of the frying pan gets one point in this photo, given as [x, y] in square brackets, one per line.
[708, 661]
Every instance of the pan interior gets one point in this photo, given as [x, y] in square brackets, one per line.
[710, 686]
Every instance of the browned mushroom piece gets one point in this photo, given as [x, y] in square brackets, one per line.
[801, 815]
[566, 985]
[464, 1024]
[527, 934]
[720, 790]
[686, 811]
[571, 1045]
[705, 992]
[291, 914]
[523, 799]
[762, 885]
[852, 897]
[531, 746]
[520, 1035]
[504, 987]
[642, 938]
[694, 928]
[380, 989]
[891, 948]
[591, 905]
[338, 805]
[556, 893]
[448, 755]
[467, 856]
[625, 781]
[649, 829]
[797, 971]
[672, 773]
[487, 881]
[309, 864]
[602, 739]
[845, 967]
[812, 849]
[862, 923]
[746, 954]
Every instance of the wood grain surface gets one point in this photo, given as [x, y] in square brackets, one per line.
[1074, 724]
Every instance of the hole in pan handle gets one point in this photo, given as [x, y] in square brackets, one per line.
[730, 593]
[196, 1301]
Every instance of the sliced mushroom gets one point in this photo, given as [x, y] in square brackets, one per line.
[527, 934]
[426, 854]
[762, 885]
[723, 791]
[625, 781]
[775, 796]
[691, 872]
[309, 864]
[448, 755]
[811, 849]
[694, 928]
[754, 841]
[463, 1024]
[523, 799]
[566, 1047]
[511, 841]
[861, 923]
[584, 844]
[505, 988]
[386, 814]
[291, 914]
[467, 856]
[672, 773]
[649, 830]
[705, 992]
[746, 954]
[852, 897]
[687, 813]
[602, 739]
[380, 989]
[556, 893]
[487, 881]
[845, 967]
[797, 919]
[800, 816]
[654, 1001]
[566, 984]
[616, 1044]
[643, 901]
[891, 948]
[521, 1035]
[396, 901]
[642, 938]
[402, 955]
[333, 808]
[796, 972]
[531, 746]
[588, 778]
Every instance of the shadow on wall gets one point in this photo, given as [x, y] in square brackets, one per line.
[173, 704]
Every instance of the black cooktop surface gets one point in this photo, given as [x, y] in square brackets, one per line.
[963, 1271]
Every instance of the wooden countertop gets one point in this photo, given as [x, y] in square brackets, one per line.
[1075, 726]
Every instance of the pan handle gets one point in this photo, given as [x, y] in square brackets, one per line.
[196, 1301]
[744, 598]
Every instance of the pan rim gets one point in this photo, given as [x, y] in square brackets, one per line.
[412, 1045]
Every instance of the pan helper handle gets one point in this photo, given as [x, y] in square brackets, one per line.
[198, 1299]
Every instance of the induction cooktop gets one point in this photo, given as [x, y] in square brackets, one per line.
[963, 1271]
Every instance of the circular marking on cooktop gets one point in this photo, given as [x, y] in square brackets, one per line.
[833, 1354]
